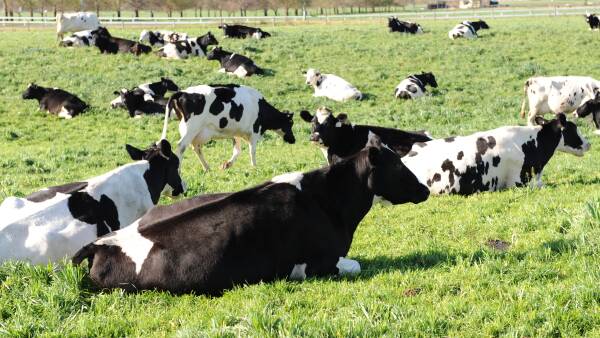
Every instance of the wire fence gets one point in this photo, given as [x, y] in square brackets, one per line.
[422, 15]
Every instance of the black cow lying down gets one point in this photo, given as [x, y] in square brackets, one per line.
[338, 138]
[55, 101]
[107, 44]
[242, 32]
[298, 225]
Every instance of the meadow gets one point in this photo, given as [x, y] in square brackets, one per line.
[516, 263]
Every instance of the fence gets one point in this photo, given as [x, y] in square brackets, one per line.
[421, 15]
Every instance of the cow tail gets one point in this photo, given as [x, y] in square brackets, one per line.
[525, 88]
[88, 251]
[168, 107]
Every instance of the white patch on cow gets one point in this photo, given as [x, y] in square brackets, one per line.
[409, 86]
[64, 113]
[298, 272]
[347, 266]
[116, 102]
[293, 178]
[240, 71]
[148, 97]
[338, 124]
[132, 244]
[257, 35]
[322, 115]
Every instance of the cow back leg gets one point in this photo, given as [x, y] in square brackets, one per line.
[197, 145]
[237, 149]
[252, 148]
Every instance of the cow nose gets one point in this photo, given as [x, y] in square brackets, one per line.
[421, 195]
[315, 138]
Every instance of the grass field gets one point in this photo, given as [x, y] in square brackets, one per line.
[427, 270]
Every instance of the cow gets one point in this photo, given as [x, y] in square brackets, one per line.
[235, 64]
[54, 223]
[182, 49]
[338, 138]
[161, 37]
[591, 107]
[85, 38]
[75, 22]
[495, 159]
[55, 101]
[107, 44]
[467, 29]
[136, 104]
[396, 25]
[216, 111]
[154, 91]
[557, 94]
[295, 226]
[593, 21]
[331, 86]
[242, 32]
[414, 86]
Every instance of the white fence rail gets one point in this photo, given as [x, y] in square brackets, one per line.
[422, 15]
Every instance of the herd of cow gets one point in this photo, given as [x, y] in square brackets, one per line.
[296, 225]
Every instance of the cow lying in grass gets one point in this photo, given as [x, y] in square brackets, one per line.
[107, 44]
[136, 104]
[331, 86]
[414, 86]
[154, 91]
[495, 159]
[467, 29]
[242, 32]
[184, 48]
[298, 225]
[160, 37]
[56, 222]
[235, 64]
[85, 38]
[55, 101]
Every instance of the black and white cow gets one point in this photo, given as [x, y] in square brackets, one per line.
[593, 21]
[108, 44]
[209, 112]
[55, 101]
[557, 94]
[182, 49]
[337, 138]
[495, 159]
[85, 38]
[414, 86]
[232, 63]
[467, 29]
[136, 104]
[54, 223]
[154, 91]
[396, 25]
[296, 226]
[161, 37]
[242, 32]
[591, 107]
[331, 86]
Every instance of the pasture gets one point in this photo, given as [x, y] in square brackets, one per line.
[516, 263]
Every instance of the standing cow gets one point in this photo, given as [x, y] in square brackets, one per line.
[75, 22]
[55, 101]
[557, 94]
[593, 21]
[209, 112]
[467, 29]
[56, 222]
[495, 159]
[414, 86]
[298, 225]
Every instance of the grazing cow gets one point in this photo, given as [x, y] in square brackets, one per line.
[467, 29]
[297, 226]
[591, 107]
[557, 94]
[108, 44]
[593, 21]
[154, 91]
[232, 63]
[495, 159]
[55, 101]
[161, 37]
[182, 49]
[209, 112]
[75, 22]
[337, 138]
[56, 222]
[396, 25]
[414, 86]
[331, 86]
[136, 104]
[85, 38]
[242, 32]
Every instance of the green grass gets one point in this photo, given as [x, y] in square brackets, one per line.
[427, 270]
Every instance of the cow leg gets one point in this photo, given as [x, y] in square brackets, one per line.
[237, 149]
[330, 265]
[531, 119]
[198, 150]
[538, 181]
[252, 145]
[183, 142]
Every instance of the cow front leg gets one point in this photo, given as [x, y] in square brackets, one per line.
[531, 119]
[237, 149]
[252, 149]
[198, 150]
[538, 181]
[326, 266]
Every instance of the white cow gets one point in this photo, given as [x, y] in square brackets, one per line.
[56, 222]
[557, 94]
[75, 22]
[467, 29]
[331, 86]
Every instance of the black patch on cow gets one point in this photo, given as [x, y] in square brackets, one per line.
[482, 146]
[85, 40]
[448, 166]
[48, 193]
[491, 142]
[460, 155]
[236, 111]
[223, 122]
[193, 43]
[223, 95]
[412, 153]
[436, 178]
[102, 213]
[449, 139]
[421, 144]
[495, 161]
[190, 104]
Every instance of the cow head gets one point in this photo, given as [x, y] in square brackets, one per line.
[589, 107]
[571, 140]
[216, 54]
[33, 91]
[207, 39]
[327, 130]
[168, 84]
[389, 179]
[163, 171]
[144, 36]
[100, 31]
[428, 78]
[480, 25]
[313, 77]
[132, 99]
[286, 127]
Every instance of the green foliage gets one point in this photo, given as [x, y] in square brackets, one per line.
[428, 270]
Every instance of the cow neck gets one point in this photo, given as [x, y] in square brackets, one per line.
[418, 81]
[538, 154]
[39, 94]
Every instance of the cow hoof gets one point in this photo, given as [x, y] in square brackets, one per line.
[226, 165]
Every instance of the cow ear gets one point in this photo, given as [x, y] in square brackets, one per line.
[306, 116]
[165, 148]
[540, 121]
[562, 120]
[135, 153]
